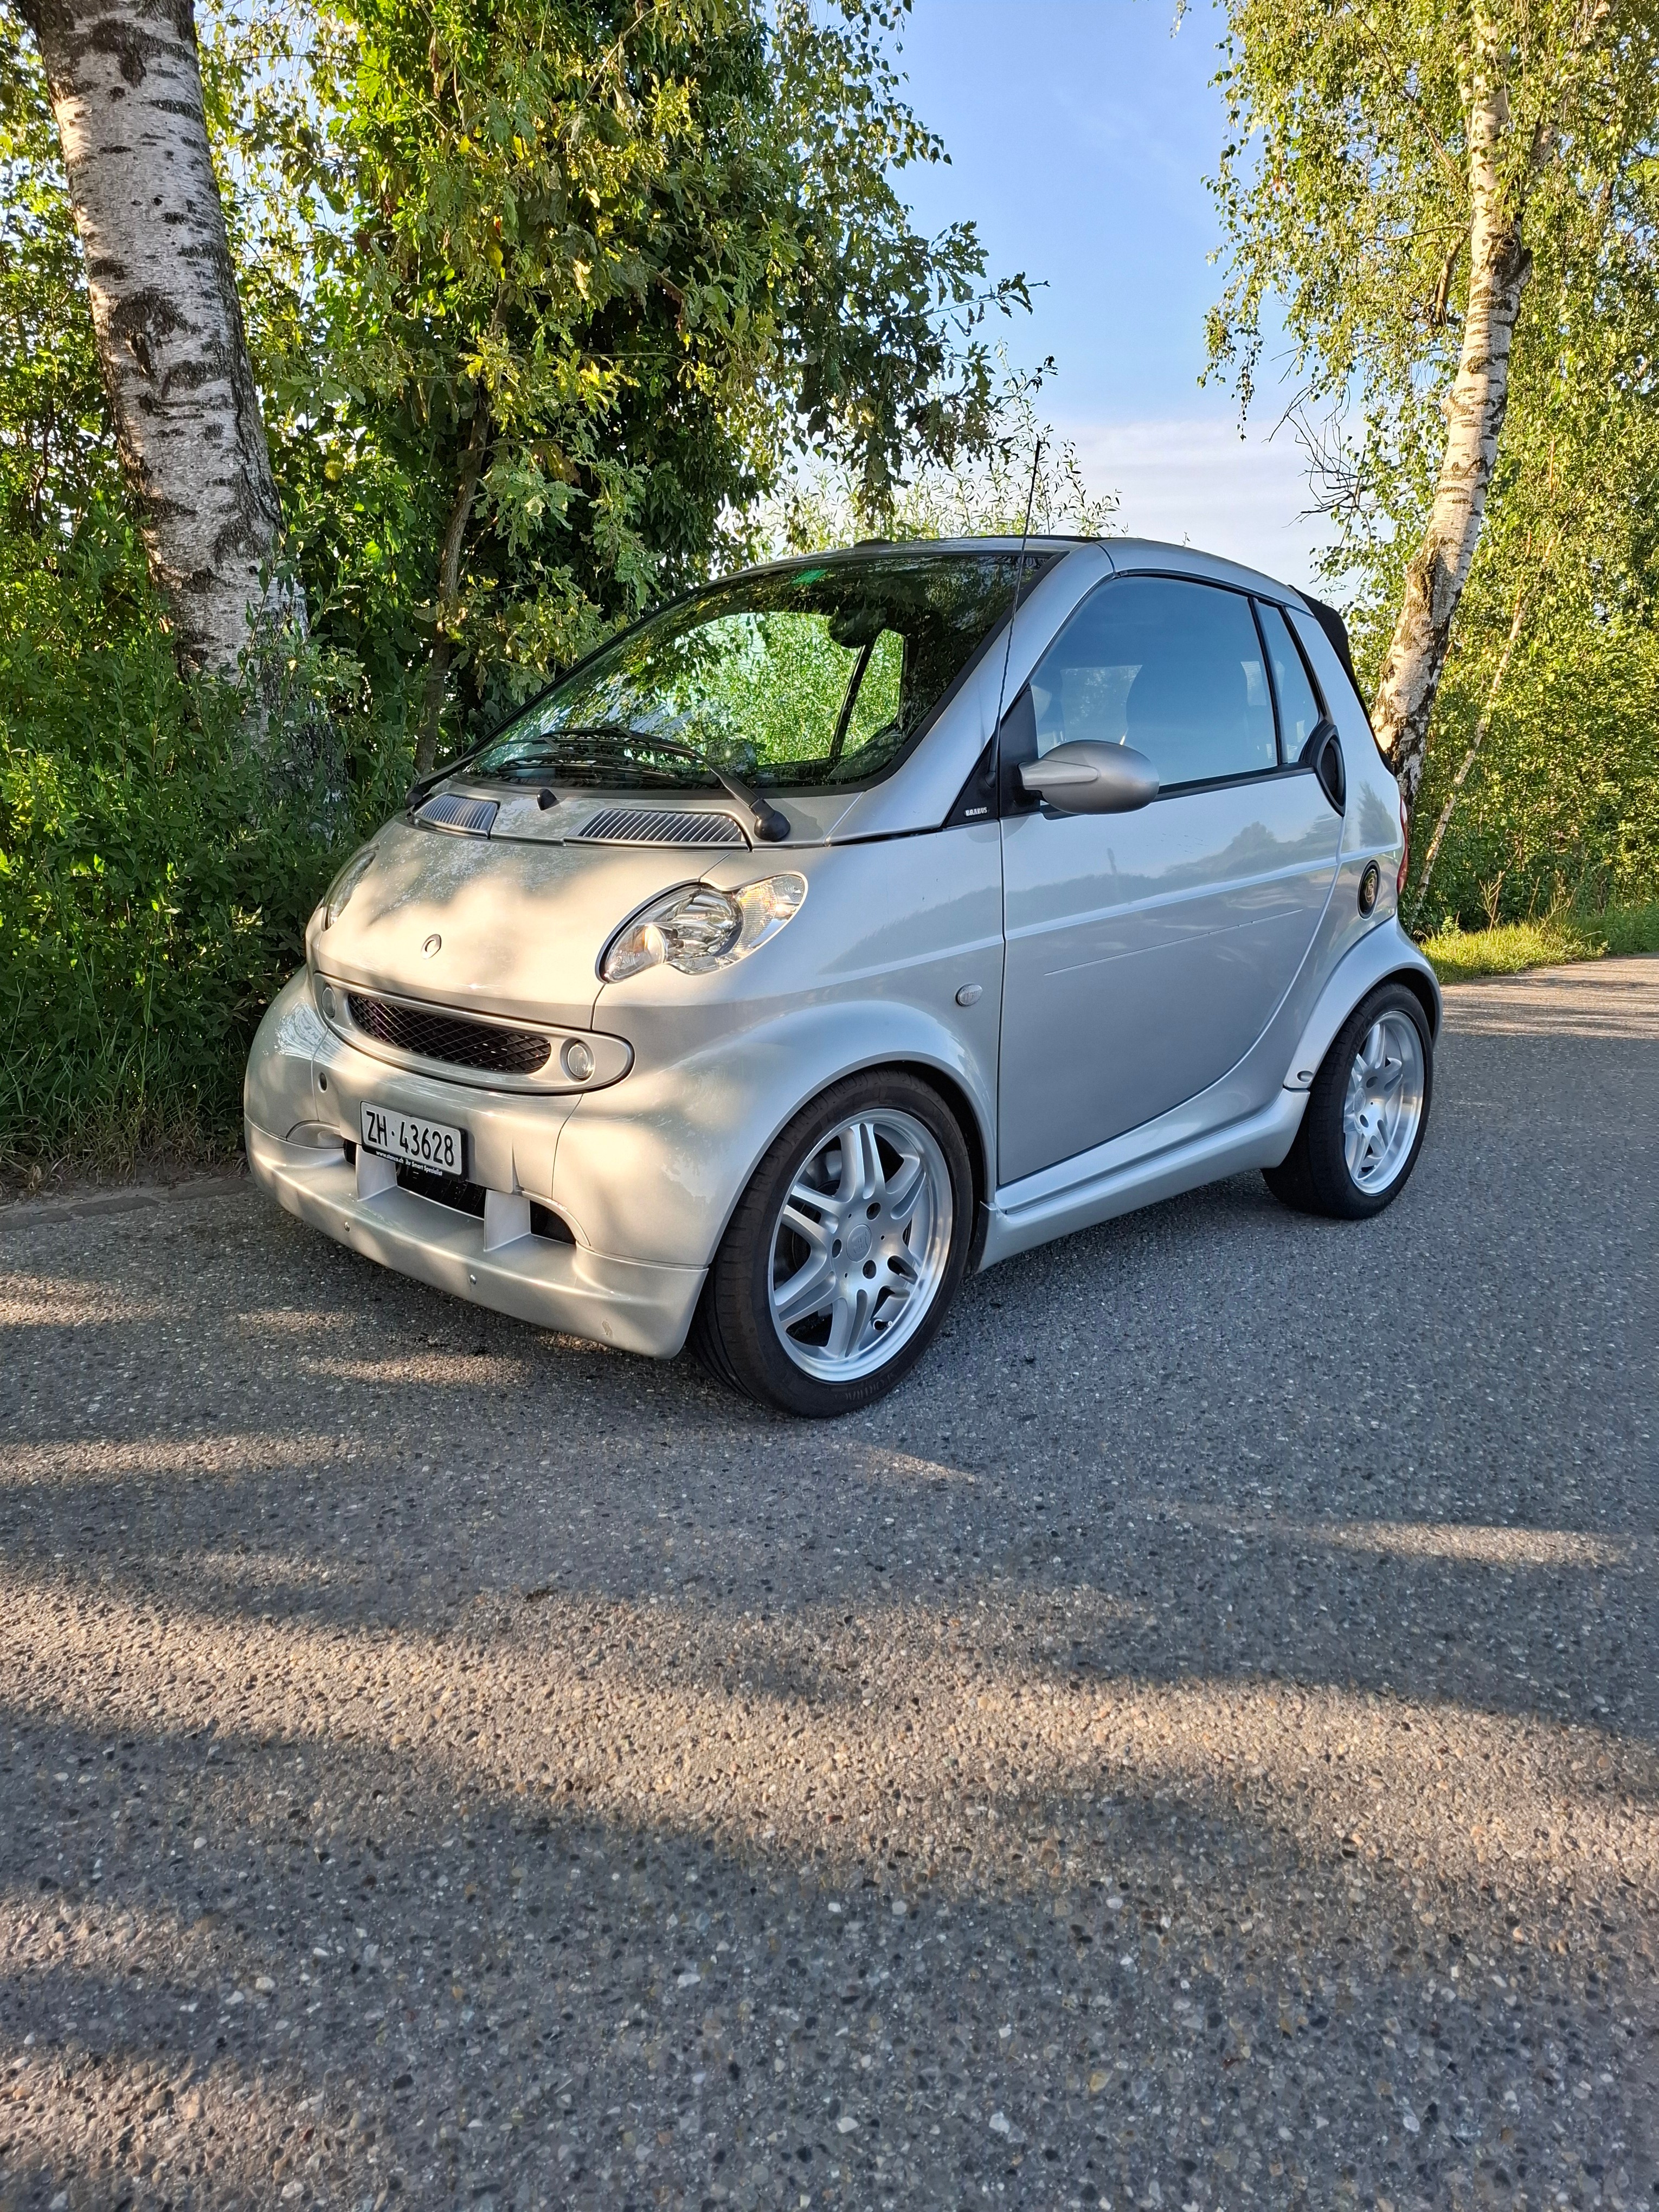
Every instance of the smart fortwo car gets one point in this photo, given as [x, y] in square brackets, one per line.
[852, 923]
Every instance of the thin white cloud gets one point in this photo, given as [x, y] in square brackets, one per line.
[1194, 481]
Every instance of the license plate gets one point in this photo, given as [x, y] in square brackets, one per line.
[424, 1143]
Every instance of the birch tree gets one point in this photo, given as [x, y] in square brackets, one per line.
[125, 84]
[1394, 169]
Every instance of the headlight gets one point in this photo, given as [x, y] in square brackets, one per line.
[340, 891]
[697, 928]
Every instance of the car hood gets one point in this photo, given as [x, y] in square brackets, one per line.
[496, 925]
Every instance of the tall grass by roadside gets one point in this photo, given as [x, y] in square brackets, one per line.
[1553, 941]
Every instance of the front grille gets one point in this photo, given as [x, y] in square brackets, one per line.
[660, 825]
[449, 1038]
[449, 809]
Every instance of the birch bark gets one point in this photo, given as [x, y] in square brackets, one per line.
[1499, 268]
[126, 89]
[1517, 621]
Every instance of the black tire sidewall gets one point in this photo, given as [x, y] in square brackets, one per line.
[1332, 1187]
[741, 1319]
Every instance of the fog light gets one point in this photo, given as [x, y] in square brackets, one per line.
[331, 1005]
[578, 1060]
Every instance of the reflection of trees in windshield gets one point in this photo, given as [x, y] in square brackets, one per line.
[805, 676]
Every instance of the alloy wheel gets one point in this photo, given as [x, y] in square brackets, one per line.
[860, 1245]
[1382, 1108]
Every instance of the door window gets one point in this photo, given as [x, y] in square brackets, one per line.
[1173, 668]
[1298, 706]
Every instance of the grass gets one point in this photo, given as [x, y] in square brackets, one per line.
[1460, 955]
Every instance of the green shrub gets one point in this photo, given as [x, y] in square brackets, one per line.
[154, 885]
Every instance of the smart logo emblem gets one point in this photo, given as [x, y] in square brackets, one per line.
[434, 944]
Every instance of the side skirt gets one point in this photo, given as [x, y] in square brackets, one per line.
[1027, 1213]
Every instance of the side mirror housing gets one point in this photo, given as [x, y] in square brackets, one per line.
[1087, 777]
[1323, 754]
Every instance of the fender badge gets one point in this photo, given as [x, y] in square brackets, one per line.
[434, 944]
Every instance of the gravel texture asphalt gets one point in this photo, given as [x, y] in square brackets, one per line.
[1194, 1746]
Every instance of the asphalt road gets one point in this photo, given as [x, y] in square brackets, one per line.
[1194, 1746]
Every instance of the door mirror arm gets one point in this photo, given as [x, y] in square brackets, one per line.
[1087, 777]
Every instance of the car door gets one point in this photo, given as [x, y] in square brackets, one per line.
[1146, 952]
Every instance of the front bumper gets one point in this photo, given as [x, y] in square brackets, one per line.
[634, 1305]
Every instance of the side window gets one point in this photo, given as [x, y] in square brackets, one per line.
[1298, 706]
[1172, 668]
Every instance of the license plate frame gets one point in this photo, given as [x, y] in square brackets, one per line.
[435, 1147]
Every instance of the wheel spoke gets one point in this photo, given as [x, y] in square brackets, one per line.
[861, 1177]
[904, 1188]
[819, 1234]
[809, 1291]
[864, 1332]
[802, 1193]
[844, 1320]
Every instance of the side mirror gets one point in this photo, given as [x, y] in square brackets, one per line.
[1087, 777]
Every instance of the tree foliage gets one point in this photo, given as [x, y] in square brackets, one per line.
[1348, 190]
[562, 282]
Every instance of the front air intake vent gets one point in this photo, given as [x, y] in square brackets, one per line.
[432, 1035]
[449, 810]
[660, 825]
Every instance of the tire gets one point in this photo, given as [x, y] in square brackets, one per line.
[844, 1253]
[1368, 1109]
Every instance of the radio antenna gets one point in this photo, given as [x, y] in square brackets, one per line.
[1020, 578]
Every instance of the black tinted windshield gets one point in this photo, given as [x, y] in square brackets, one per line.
[821, 674]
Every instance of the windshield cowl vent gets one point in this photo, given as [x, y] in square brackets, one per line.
[659, 825]
[450, 810]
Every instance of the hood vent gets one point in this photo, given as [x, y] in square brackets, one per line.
[659, 825]
[449, 809]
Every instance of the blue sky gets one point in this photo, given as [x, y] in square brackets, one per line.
[1081, 132]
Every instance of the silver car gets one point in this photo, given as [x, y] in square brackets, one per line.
[852, 923]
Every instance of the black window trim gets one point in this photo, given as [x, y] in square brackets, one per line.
[1257, 602]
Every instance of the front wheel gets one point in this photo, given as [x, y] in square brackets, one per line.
[1367, 1112]
[844, 1251]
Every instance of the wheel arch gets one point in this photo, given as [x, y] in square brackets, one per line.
[936, 1076]
[955, 1097]
[621, 1173]
[1428, 998]
[1383, 955]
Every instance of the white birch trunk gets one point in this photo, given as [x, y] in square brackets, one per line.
[1499, 268]
[126, 90]
[1517, 620]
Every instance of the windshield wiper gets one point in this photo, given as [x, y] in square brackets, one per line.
[770, 826]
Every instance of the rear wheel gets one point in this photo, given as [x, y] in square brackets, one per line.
[1367, 1111]
[844, 1252]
